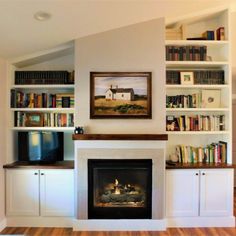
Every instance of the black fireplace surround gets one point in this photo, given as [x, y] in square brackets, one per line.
[120, 189]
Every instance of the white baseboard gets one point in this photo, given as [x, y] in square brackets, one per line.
[38, 221]
[3, 224]
[119, 225]
[200, 222]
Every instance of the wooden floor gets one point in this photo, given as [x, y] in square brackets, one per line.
[169, 232]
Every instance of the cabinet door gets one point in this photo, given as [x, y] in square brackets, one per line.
[216, 192]
[57, 192]
[22, 192]
[182, 192]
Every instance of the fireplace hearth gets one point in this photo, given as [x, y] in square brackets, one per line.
[119, 189]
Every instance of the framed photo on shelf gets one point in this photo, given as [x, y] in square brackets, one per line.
[186, 77]
[120, 95]
[34, 119]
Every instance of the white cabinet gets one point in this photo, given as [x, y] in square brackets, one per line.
[216, 192]
[40, 192]
[182, 193]
[195, 192]
[22, 192]
[56, 192]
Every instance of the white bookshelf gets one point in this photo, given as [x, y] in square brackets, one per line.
[219, 52]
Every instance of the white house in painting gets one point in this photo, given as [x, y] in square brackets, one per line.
[120, 94]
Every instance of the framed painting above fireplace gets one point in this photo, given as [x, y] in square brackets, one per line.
[120, 95]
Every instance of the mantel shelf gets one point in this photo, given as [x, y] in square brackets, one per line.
[161, 137]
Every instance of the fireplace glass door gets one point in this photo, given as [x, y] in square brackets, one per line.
[119, 189]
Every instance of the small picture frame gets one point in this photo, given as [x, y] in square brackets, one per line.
[34, 119]
[186, 77]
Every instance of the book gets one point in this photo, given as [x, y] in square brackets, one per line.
[65, 101]
[220, 33]
[209, 35]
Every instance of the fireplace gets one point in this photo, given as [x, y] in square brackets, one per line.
[120, 189]
[120, 148]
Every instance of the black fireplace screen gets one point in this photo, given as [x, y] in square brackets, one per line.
[119, 189]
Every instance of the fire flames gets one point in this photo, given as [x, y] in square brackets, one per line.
[116, 187]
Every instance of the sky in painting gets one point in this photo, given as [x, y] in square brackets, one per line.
[102, 84]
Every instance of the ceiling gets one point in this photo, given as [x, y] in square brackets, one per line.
[21, 34]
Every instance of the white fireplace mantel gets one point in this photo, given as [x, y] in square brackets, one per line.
[120, 147]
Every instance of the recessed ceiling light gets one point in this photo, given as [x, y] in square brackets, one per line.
[42, 16]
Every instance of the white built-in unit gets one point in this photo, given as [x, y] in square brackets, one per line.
[199, 193]
[198, 95]
[199, 185]
[39, 197]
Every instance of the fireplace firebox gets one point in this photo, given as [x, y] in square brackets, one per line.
[120, 189]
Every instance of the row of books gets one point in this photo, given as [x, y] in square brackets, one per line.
[184, 101]
[186, 53]
[24, 119]
[195, 123]
[218, 34]
[199, 77]
[44, 77]
[20, 99]
[213, 153]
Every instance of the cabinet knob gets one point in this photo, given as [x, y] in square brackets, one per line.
[203, 174]
[35, 173]
[196, 174]
[42, 173]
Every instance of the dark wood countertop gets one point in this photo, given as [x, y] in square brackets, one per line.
[161, 137]
[26, 165]
[200, 166]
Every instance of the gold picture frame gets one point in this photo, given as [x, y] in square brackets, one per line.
[34, 119]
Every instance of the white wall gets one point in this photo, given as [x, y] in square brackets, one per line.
[134, 48]
[3, 106]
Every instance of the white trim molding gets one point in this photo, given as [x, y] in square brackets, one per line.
[119, 225]
[3, 224]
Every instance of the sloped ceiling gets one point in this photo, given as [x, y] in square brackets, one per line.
[21, 34]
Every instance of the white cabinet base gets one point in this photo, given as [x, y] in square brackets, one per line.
[189, 222]
[24, 221]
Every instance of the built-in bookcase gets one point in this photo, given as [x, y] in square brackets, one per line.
[216, 59]
[41, 97]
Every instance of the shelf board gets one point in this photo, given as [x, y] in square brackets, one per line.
[43, 86]
[197, 42]
[197, 86]
[196, 109]
[196, 63]
[43, 128]
[196, 132]
[44, 109]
